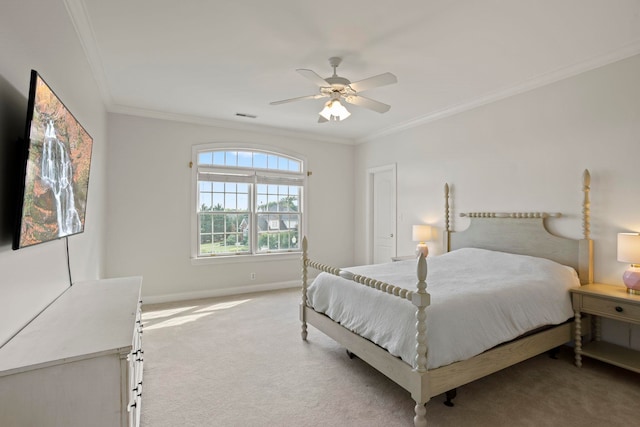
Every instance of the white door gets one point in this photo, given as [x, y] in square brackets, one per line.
[383, 213]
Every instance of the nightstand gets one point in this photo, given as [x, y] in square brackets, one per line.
[612, 302]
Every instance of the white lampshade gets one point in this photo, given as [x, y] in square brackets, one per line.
[629, 251]
[421, 233]
[334, 110]
[629, 248]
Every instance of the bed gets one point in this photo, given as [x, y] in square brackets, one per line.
[412, 352]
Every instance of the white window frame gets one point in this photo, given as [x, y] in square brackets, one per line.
[300, 178]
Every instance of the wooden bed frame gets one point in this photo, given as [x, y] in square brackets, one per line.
[520, 233]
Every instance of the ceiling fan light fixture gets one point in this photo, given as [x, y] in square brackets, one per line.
[334, 111]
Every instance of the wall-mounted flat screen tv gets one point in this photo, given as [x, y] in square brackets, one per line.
[55, 162]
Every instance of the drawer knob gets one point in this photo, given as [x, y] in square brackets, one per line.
[619, 309]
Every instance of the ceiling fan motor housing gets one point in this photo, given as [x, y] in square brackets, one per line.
[338, 82]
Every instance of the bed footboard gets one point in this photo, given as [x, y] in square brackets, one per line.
[414, 380]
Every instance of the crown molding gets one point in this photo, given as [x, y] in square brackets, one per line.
[541, 80]
[82, 24]
[226, 124]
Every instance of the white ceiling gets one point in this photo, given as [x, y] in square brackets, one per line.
[211, 59]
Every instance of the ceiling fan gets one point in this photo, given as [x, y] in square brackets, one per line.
[339, 88]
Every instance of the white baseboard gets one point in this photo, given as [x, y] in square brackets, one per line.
[211, 293]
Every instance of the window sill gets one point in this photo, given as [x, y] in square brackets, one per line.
[234, 259]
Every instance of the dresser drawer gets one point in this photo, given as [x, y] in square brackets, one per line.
[611, 308]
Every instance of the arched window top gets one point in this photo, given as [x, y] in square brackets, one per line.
[251, 159]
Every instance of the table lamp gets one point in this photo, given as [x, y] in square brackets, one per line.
[629, 252]
[421, 233]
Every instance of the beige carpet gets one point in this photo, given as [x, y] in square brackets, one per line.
[240, 362]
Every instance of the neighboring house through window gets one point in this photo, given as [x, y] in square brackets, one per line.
[248, 201]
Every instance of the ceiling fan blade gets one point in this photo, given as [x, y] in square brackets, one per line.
[300, 98]
[361, 101]
[322, 119]
[314, 77]
[375, 81]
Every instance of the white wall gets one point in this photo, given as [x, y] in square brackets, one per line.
[149, 208]
[525, 153]
[39, 35]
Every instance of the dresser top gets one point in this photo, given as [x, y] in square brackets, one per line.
[89, 319]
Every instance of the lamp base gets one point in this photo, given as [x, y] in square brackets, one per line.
[631, 279]
[423, 249]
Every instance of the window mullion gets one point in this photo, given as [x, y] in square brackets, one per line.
[254, 215]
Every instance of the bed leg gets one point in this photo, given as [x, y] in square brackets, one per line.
[553, 353]
[303, 319]
[420, 420]
[351, 355]
[578, 339]
[450, 395]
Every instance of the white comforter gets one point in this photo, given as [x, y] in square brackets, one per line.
[479, 299]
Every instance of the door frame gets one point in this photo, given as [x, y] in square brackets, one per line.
[369, 209]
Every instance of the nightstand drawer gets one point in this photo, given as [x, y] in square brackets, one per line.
[610, 308]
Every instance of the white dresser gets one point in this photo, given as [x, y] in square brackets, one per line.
[79, 363]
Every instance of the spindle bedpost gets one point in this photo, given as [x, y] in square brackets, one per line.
[421, 299]
[303, 317]
[586, 205]
[447, 225]
[586, 244]
[586, 267]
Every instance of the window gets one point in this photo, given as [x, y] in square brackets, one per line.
[248, 202]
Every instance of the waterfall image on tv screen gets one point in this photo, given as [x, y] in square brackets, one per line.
[56, 174]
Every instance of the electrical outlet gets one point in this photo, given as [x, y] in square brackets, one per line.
[253, 276]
